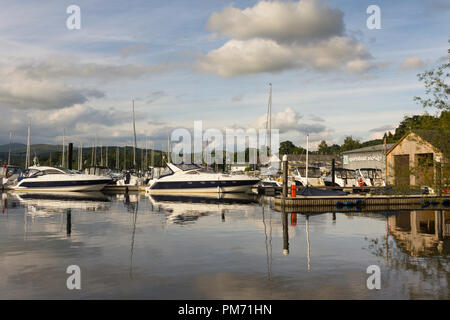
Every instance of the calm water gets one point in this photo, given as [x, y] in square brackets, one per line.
[160, 248]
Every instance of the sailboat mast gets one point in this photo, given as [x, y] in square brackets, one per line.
[27, 159]
[134, 136]
[307, 152]
[117, 158]
[63, 148]
[269, 118]
[9, 148]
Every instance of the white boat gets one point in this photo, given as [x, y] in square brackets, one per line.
[314, 176]
[189, 178]
[370, 177]
[342, 178]
[44, 178]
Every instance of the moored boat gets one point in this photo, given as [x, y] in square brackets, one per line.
[45, 178]
[188, 178]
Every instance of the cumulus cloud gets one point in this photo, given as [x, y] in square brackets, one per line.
[412, 63]
[279, 21]
[24, 93]
[277, 36]
[288, 120]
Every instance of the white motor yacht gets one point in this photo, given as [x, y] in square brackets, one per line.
[189, 178]
[44, 178]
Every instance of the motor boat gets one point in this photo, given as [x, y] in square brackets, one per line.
[189, 178]
[130, 179]
[10, 174]
[314, 177]
[342, 178]
[44, 178]
[370, 177]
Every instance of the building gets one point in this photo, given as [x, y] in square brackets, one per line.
[417, 160]
[323, 161]
[368, 157]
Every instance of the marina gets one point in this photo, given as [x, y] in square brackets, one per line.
[204, 247]
[212, 151]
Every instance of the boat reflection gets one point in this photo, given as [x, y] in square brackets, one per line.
[43, 204]
[188, 208]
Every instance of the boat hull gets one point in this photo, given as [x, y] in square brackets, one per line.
[61, 186]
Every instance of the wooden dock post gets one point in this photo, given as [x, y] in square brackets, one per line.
[70, 156]
[333, 169]
[285, 176]
[69, 222]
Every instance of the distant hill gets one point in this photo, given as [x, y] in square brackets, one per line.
[14, 146]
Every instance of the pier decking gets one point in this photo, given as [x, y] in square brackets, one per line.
[368, 202]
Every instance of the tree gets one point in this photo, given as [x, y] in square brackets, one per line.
[323, 148]
[436, 86]
[350, 144]
[287, 147]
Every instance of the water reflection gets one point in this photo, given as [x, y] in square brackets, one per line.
[422, 233]
[203, 246]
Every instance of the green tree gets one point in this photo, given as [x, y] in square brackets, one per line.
[436, 86]
[323, 148]
[350, 143]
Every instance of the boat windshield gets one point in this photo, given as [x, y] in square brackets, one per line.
[186, 166]
[313, 172]
[345, 174]
[371, 173]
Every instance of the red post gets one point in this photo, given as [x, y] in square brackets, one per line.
[293, 190]
[293, 219]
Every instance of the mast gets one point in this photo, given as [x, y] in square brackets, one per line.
[146, 153]
[307, 152]
[269, 119]
[27, 158]
[117, 158]
[106, 156]
[134, 136]
[168, 148]
[63, 148]
[9, 148]
[101, 155]
[385, 160]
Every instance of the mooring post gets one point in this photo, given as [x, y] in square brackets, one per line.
[285, 176]
[69, 156]
[332, 171]
[69, 222]
[285, 233]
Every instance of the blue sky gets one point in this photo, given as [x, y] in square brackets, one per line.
[213, 61]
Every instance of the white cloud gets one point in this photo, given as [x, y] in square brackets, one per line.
[281, 21]
[24, 93]
[238, 57]
[277, 36]
[412, 63]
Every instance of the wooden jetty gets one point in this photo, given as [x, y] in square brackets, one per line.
[367, 202]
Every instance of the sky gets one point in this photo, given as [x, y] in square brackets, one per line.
[207, 60]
